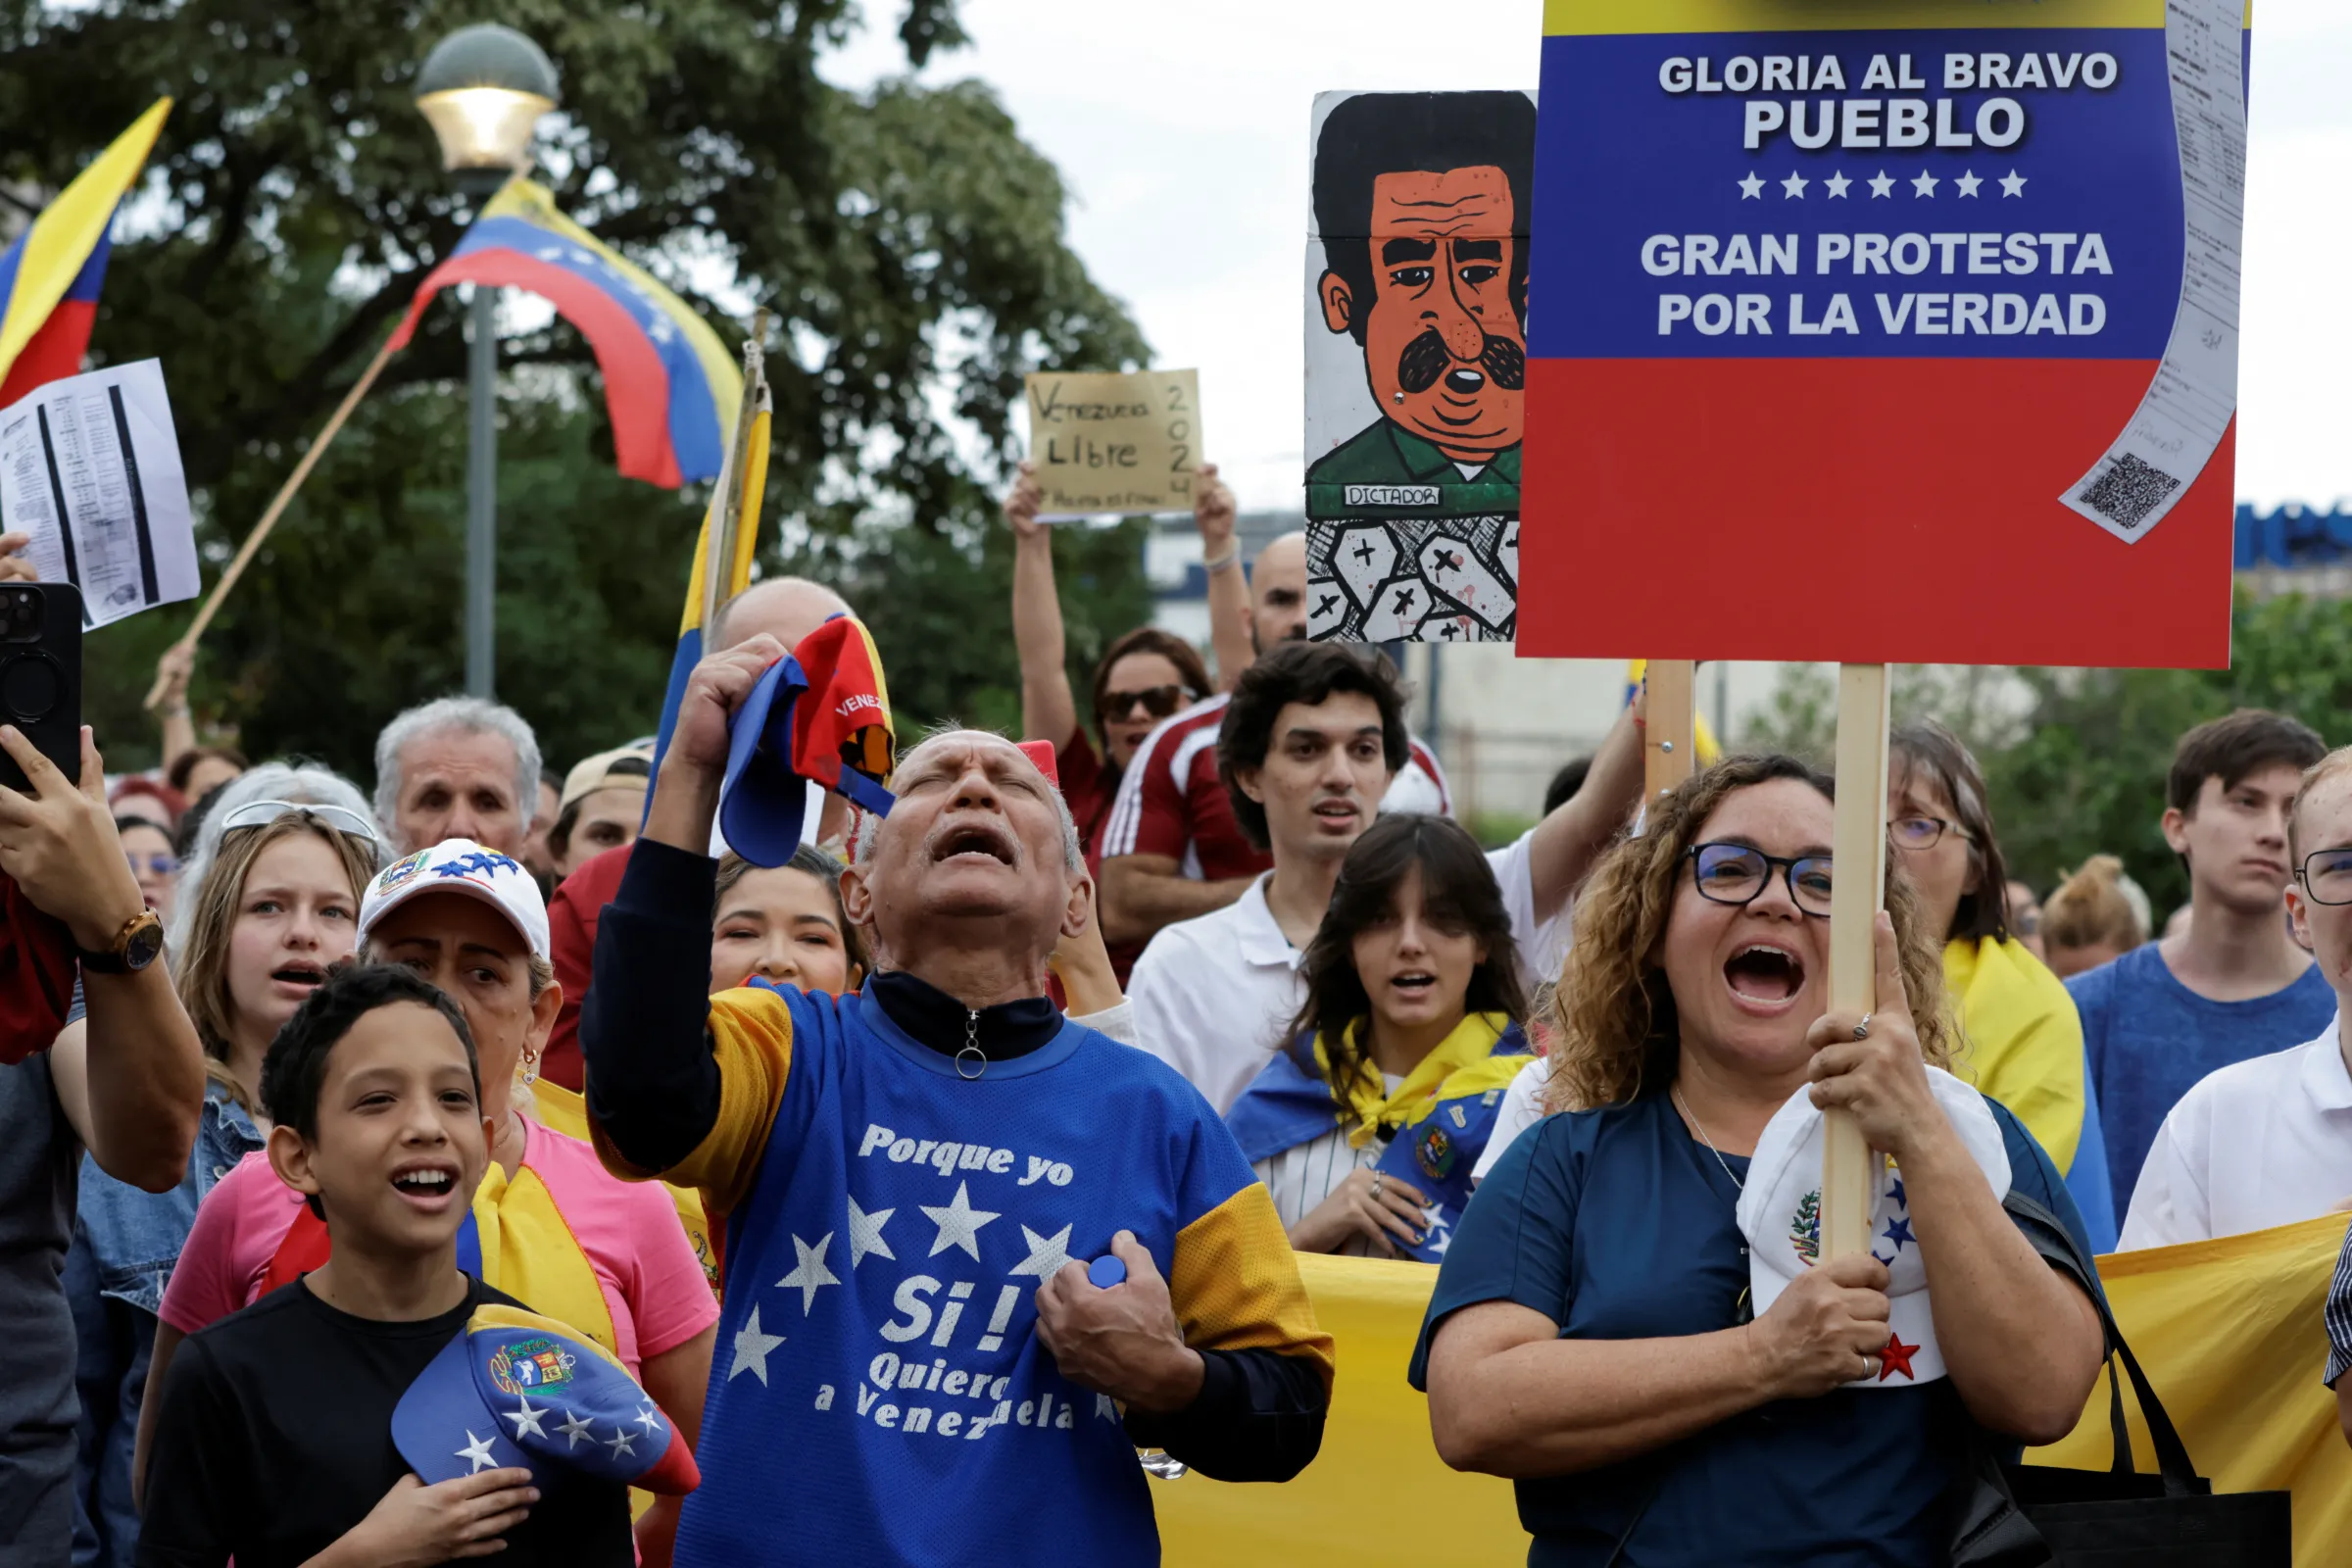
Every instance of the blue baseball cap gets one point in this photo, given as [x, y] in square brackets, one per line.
[518, 1389]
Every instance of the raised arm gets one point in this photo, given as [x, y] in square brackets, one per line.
[1567, 842]
[174, 668]
[1214, 514]
[1048, 711]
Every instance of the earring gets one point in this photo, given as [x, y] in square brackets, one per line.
[530, 1067]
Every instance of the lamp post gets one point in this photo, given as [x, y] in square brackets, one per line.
[483, 90]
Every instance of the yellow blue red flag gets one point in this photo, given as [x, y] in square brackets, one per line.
[50, 277]
[671, 386]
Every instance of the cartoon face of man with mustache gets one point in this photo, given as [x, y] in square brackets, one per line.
[1421, 202]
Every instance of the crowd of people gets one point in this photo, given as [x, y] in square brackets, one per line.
[971, 1150]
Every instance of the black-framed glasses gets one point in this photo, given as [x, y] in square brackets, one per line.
[2327, 876]
[1924, 832]
[1159, 702]
[1737, 874]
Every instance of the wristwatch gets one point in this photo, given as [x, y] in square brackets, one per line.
[138, 945]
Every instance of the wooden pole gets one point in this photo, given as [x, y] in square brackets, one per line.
[277, 507]
[1859, 845]
[1670, 743]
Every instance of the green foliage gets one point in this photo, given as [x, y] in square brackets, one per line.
[909, 245]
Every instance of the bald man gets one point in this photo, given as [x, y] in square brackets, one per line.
[1172, 850]
[972, 1242]
[789, 609]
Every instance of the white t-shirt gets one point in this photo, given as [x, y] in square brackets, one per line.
[2260, 1143]
[1213, 995]
[1521, 1108]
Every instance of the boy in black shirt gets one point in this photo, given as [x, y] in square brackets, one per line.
[275, 1441]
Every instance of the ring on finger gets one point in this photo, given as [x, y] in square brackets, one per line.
[1862, 1029]
[1379, 1179]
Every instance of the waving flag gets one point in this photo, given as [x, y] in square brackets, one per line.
[49, 279]
[671, 386]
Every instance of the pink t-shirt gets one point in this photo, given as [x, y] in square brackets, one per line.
[653, 1286]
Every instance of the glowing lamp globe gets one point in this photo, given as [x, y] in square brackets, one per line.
[483, 89]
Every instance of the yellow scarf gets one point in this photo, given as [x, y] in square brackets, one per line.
[1461, 1064]
[2021, 1041]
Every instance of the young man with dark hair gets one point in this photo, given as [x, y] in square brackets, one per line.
[274, 1445]
[1314, 735]
[2233, 985]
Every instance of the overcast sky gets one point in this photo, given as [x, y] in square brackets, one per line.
[1182, 129]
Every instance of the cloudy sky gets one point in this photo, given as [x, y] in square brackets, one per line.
[1182, 129]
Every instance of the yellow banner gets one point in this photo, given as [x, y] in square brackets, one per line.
[2229, 1332]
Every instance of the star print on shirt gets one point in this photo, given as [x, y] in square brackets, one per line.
[1794, 185]
[1898, 1231]
[2013, 183]
[809, 1274]
[751, 1347]
[1047, 1253]
[526, 1419]
[1968, 183]
[866, 1234]
[1881, 184]
[958, 1224]
[1838, 185]
[477, 1453]
[575, 1425]
[1924, 185]
[1751, 189]
[1896, 1357]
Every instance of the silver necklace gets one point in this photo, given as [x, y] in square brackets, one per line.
[1684, 1106]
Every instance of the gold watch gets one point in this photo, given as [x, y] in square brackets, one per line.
[138, 945]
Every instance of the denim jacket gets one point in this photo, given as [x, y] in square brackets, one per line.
[134, 1236]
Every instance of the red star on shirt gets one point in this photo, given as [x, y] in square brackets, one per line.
[1896, 1357]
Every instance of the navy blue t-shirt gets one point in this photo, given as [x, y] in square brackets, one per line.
[1617, 1224]
[2151, 1039]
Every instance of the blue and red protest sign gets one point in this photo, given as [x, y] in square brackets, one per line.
[1885, 332]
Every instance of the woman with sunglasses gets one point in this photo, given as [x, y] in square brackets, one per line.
[278, 903]
[2018, 1040]
[148, 846]
[1590, 1334]
[1143, 678]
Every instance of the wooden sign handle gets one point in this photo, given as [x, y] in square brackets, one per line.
[1670, 741]
[277, 507]
[1859, 846]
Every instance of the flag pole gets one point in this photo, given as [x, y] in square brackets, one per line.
[1670, 739]
[277, 507]
[718, 559]
[1858, 846]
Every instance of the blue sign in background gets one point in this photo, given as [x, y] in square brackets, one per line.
[1619, 159]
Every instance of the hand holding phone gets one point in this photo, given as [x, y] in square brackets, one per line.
[41, 673]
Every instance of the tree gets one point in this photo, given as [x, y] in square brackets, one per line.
[908, 243]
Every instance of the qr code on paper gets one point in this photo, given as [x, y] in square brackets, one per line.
[2129, 491]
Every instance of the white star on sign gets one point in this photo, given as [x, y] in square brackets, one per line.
[810, 1275]
[620, 1443]
[574, 1428]
[1838, 185]
[1968, 183]
[1795, 185]
[647, 1419]
[1047, 1253]
[526, 1419]
[1883, 184]
[751, 1347]
[478, 1450]
[1751, 189]
[958, 1224]
[2013, 183]
[866, 1234]
[1924, 185]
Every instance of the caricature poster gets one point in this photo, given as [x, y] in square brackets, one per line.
[1416, 363]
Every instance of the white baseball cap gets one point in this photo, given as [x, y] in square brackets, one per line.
[1779, 1214]
[460, 866]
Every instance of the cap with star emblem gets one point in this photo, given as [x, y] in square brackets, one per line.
[518, 1389]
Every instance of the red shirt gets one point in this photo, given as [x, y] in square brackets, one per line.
[1087, 786]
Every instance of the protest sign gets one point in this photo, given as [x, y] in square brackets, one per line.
[1903, 330]
[89, 467]
[1114, 442]
[1416, 272]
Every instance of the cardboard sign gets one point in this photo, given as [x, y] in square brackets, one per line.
[1898, 330]
[1416, 362]
[1112, 442]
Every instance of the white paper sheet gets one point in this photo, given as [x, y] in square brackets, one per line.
[90, 468]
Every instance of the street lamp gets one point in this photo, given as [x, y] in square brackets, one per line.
[483, 90]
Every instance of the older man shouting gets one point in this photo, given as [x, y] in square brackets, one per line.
[976, 1253]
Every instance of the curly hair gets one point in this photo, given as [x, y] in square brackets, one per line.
[1614, 1014]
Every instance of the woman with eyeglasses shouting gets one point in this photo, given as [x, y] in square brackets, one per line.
[2019, 1038]
[277, 903]
[1592, 1333]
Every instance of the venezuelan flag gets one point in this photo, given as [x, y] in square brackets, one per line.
[671, 386]
[49, 279]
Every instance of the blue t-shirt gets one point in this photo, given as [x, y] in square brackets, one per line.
[1617, 1224]
[2151, 1039]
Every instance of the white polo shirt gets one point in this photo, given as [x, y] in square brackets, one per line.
[2260, 1143]
[1213, 995]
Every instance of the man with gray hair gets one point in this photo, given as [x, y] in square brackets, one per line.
[457, 768]
[1142, 1292]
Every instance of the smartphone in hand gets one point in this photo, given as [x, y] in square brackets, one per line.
[41, 673]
